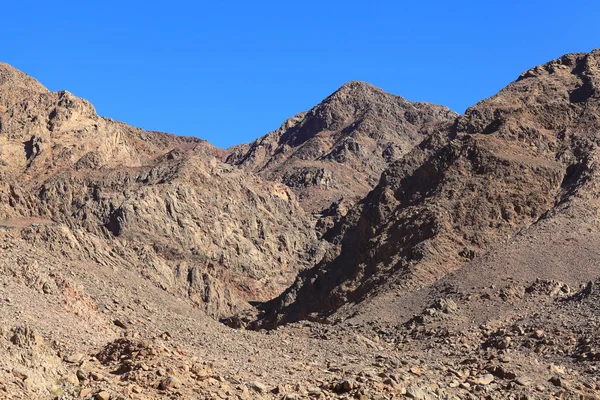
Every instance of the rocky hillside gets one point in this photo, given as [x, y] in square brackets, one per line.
[470, 271]
[508, 163]
[336, 152]
[163, 204]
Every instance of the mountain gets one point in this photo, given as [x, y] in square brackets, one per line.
[508, 165]
[162, 204]
[336, 152]
[131, 261]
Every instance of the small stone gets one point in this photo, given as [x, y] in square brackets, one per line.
[484, 380]
[524, 380]
[103, 395]
[559, 382]
[136, 389]
[258, 387]
[96, 376]
[120, 324]
[416, 370]
[85, 392]
[415, 392]
[74, 358]
[20, 373]
[170, 382]
[538, 334]
[72, 379]
[81, 375]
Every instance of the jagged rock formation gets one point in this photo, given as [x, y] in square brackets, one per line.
[510, 161]
[339, 148]
[165, 204]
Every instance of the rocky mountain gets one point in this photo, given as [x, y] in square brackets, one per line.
[507, 165]
[162, 204]
[469, 271]
[336, 152]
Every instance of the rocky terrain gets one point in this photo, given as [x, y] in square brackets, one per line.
[461, 265]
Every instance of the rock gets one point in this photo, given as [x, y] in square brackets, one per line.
[81, 375]
[343, 386]
[538, 334]
[84, 392]
[414, 392]
[103, 395]
[121, 324]
[559, 382]
[136, 389]
[72, 379]
[416, 370]
[96, 376]
[524, 380]
[20, 373]
[258, 387]
[74, 358]
[483, 380]
[170, 382]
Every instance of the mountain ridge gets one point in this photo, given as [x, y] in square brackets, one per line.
[463, 266]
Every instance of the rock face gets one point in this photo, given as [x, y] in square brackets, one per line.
[165, 204]
[339, 148]
[510, 161]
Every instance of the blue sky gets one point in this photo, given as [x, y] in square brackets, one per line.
[231, 71]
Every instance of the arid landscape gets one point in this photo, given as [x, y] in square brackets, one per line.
[369, 248]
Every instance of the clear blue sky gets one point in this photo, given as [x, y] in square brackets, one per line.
[231, 71]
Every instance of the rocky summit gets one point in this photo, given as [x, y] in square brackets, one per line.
[334, 154]
[370, 248]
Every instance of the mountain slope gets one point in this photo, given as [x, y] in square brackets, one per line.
[165, 204]
[509, 161]
[339, 148]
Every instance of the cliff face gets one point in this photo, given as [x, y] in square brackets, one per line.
[509, 161]
[336, 152]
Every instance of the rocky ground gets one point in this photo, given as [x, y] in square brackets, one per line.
[139, 265]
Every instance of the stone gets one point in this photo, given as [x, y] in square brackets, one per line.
[20, 373]
[103, 395]
[74, 358]
[121, 324]
[524, 380]
[538, 334]
[170, 382]
[81, 375]
[483, 380]
[84, 392]
[258, 387]
[136, 389]
[72, 379]
[414, 392]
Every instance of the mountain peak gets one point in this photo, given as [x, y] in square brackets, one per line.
[13, 78]
[357, 89]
